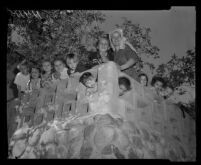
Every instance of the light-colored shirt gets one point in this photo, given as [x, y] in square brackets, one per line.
[22, 80]
[64, 74]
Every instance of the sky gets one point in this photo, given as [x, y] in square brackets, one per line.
[172, 31]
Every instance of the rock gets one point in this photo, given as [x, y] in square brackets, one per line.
[134, 128]
[132, 154]
[19, 148]
[61, 151]
[103, 136]
[107, 150]
[88, 131]
[48, 136]
[85, 151]
[50, 151]
[117, 153]
[137, 142]
[172, 155]
[146, 135]
[122, 140]
[34, 138]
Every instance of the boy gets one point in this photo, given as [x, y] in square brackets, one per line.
[158, 83]
[74, 64]
[89, 81]
[22, 78]
[124, 85]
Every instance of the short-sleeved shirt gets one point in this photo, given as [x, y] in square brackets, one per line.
[122, 56]
[64, 74]
[46, 78]
[95, 58]
[22, 80]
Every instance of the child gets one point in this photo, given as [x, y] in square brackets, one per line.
[46, 76]
[143, 79]
[22, 78]
[169, 90]
[89, 81]
[34, 83]
[74, 64]
[61, 70]
[158, 83]
[124, 85]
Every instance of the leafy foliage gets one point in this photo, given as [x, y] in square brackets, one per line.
[57, 33]
[179, 70]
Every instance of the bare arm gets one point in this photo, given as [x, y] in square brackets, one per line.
[127, 65]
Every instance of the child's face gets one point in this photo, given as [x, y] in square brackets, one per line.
[24, 69]
[158, 85]
[168, 91]
[143, 80]
[91, 82]
[103, 45]
[34, 73]
[122, 89]
[72, 63]
[59, 66]
[46, 66]
[116, 38]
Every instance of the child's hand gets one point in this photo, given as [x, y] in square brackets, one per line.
[57, 75]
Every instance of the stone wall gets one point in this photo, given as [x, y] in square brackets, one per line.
[137, 125]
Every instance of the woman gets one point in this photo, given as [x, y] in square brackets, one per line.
[124, 53]
[104, 53]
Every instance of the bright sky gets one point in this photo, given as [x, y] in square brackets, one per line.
[173, 31]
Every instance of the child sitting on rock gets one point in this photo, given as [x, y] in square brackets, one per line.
[124, 85]
[61, 70]
[90, 82]
[74, 64]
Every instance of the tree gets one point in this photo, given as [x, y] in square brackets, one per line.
[54, 33]
[179, 70]
[180, 73]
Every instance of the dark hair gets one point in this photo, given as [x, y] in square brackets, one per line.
[157, 78]
[59, 59]
[43, 61]
[71, 56]
[85, 77]
[125, 81]
[143, 74]
[36, 67]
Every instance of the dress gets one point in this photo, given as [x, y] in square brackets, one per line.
[122, 56]
[95, 58]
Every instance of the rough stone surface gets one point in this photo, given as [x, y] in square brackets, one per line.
[108, 129]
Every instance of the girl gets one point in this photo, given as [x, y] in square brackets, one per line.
[46, 76]
[104, 53]
[143, 79]
[34, 83]
[61, 70]
[124, 54]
